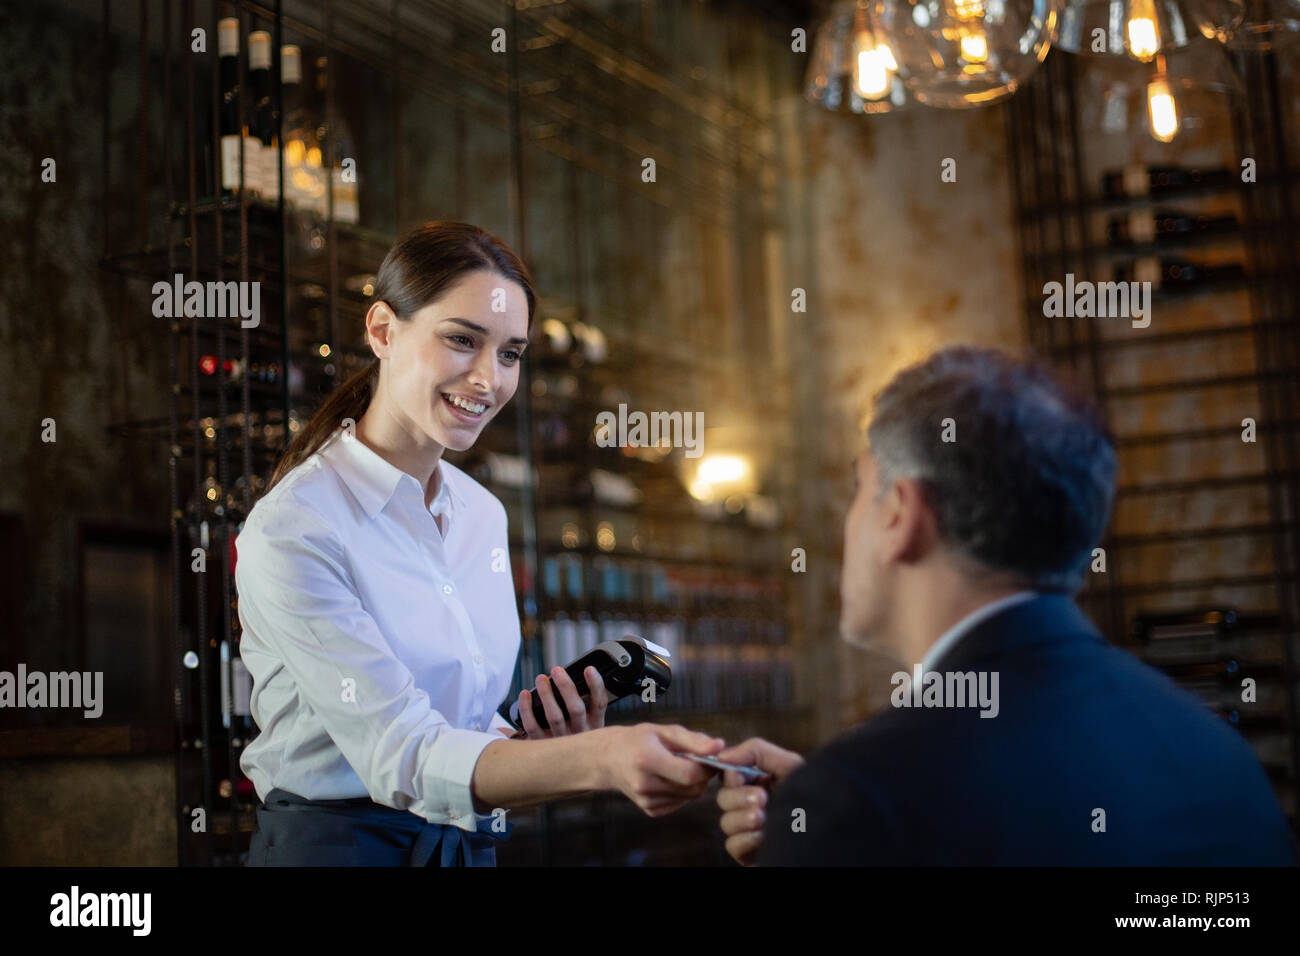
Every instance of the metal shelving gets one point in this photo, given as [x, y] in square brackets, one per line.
[576, 88]
[1056, 212]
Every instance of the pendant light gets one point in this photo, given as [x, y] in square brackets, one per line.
[962, 53]
[852, 68]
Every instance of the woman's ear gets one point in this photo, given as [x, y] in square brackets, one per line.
[380, 321]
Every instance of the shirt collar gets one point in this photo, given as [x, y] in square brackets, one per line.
[963, 627]
[373, 479]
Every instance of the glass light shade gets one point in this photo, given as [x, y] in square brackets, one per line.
[1184, 99]
[1264, 25]
[962, 53]
[1142, 28]
[852, 69]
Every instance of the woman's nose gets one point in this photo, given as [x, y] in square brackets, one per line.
[483, 374]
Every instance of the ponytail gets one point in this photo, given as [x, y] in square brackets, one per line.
[349, 401]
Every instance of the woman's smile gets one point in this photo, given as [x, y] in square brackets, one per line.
[465, 409]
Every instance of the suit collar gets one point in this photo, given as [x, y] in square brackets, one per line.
[1048, 618]
[373, 479]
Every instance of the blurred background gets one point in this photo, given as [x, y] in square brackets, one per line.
[836, 189]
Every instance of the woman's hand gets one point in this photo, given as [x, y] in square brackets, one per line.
[640, 762]
[581, 717]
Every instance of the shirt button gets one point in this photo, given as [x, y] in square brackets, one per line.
[447, 589]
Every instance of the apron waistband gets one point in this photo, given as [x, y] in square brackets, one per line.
[455, 846]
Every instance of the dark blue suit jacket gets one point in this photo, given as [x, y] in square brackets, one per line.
[1081, 726]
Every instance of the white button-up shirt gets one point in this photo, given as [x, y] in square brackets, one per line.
[379, 648]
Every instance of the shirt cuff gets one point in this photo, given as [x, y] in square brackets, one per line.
[451, 799]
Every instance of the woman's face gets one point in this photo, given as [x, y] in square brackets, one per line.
[466, 346]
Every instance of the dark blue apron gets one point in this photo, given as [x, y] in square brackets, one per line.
[295, 831]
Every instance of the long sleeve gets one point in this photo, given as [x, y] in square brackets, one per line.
[300, 608]
[500, 723]
[839, 823]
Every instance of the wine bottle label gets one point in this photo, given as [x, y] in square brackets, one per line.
[588, 636]
[1137, 181]
[345, 199]
[1141, 226]
[243, 688]
[550, 647]
[230, 162]
[1147, 269]
[252, 164]
[270, 173]
[567, 640]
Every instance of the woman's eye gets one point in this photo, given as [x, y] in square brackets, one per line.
[512, 355]
[461, 338]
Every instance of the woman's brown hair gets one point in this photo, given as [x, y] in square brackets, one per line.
[420, 268]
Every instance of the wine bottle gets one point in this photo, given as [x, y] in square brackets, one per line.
[1139, 180]
[265, 118]
[228, 120]
[1179, 274]
[304, 186]
[236, 694]
[233, 131]
[342, 176]
[1144, 226]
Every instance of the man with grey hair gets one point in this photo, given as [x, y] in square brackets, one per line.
[1021, 737]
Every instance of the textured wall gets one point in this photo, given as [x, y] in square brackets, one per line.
[88, 811]
[899, 263]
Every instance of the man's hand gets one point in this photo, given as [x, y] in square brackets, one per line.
[743, 805]
[581, 717]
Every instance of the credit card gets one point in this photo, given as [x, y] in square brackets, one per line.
[749, 774]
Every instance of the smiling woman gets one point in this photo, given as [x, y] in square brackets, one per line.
[454, 265]
[377, 627]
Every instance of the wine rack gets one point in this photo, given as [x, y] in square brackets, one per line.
[603, 540]
[1200, 577]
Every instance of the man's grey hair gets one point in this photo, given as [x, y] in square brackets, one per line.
[1025, 486]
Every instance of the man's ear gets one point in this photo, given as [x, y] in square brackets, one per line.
[910, 528]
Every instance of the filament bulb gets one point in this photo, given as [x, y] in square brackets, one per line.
[1143, 34]
[1163, 110]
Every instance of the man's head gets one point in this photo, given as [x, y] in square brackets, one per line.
[983, 474]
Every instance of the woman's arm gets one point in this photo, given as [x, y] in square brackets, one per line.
[637, 761]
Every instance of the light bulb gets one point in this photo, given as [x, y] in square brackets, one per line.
[872, 75]
[1143, 35]
[968, 9]
[974, 46]
[890, 63]
[874, 67]
[1163, 110]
